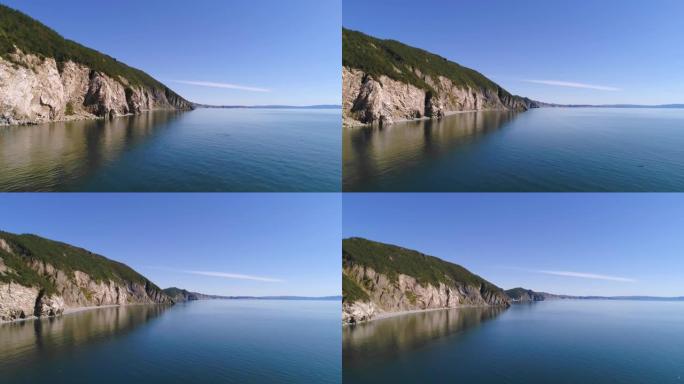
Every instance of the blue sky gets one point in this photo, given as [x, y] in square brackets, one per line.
[579, 244]
[599, 52]
[281, 244]
[276, 52]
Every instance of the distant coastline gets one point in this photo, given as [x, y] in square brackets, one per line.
[317, 106]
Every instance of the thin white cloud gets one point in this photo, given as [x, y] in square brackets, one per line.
[212, 84]
[224, 275]
[582, 275]
[238, 276]
[573, 85]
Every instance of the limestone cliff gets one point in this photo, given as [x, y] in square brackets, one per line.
[384, 81]
[41, 277]
[379, 278]
[44, 77]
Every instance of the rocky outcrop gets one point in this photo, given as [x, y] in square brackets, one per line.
[405, 293]
[368, 99]
[35, 90]
[51, 290]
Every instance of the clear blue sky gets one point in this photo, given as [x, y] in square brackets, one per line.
[175, 239]
[579, 244]
[632, 49]
[290, 48]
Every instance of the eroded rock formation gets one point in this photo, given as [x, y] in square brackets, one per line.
[35, 90]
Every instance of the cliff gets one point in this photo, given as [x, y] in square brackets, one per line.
[41, 277]
[385, 81]
[44, 77]
[380, 278]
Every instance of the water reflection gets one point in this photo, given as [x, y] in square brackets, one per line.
[366, 343]
[372, 153]
[61, 155]
[24, 343]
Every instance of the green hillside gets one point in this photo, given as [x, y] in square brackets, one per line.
[392, 260]
[517, 293]
[397, 61]
[27, 248]
[31, 36]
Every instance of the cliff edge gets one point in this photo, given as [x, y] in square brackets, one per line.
[385, 81]
[45, 77]
[380, 278]
[41, 277]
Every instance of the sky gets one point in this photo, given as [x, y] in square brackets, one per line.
[244, 52]
[576, 244]
[276, 244]
[558, 51]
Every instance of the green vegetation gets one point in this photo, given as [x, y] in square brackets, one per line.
[411, 297]
[31, 36]
[391, 260]
[517, 293]
[69, 109]
[351, 291]
[27, 249]
[399, 62]
[173, 291]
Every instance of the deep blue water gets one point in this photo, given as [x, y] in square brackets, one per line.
[569, 341]
[219, 341]
[547, 149]
[203, 150]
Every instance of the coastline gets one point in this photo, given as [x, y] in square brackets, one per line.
[72, 310]
[446, 114]
[387, 315]
[84, 117]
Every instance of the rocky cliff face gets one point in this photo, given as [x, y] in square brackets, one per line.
[20, 300]
[35, 90]
[368, 99]
[406, 294]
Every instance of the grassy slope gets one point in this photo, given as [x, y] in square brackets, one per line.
[351, 291]
[381, 57]
[392, 261]
[31, 36]
[62, 256]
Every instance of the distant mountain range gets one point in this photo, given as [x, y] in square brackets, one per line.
[183, 295]
[317, 106]
[526, 295]
[663, 106]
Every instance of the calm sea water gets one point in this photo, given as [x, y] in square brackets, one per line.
[547, 342]
[236, 341]
[202, 150]
[547, 149]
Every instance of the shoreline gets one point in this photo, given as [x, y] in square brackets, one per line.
[446, 114]
[387, 315]
[84, 117]
[72, 310]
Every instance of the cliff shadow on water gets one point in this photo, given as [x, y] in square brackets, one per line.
[60, 156]
[372, 154]
[30, 342]
[389, 338]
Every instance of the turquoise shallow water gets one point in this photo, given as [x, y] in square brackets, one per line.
[566, 341]
[203, 150]
[547, 149]
[222, 341]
